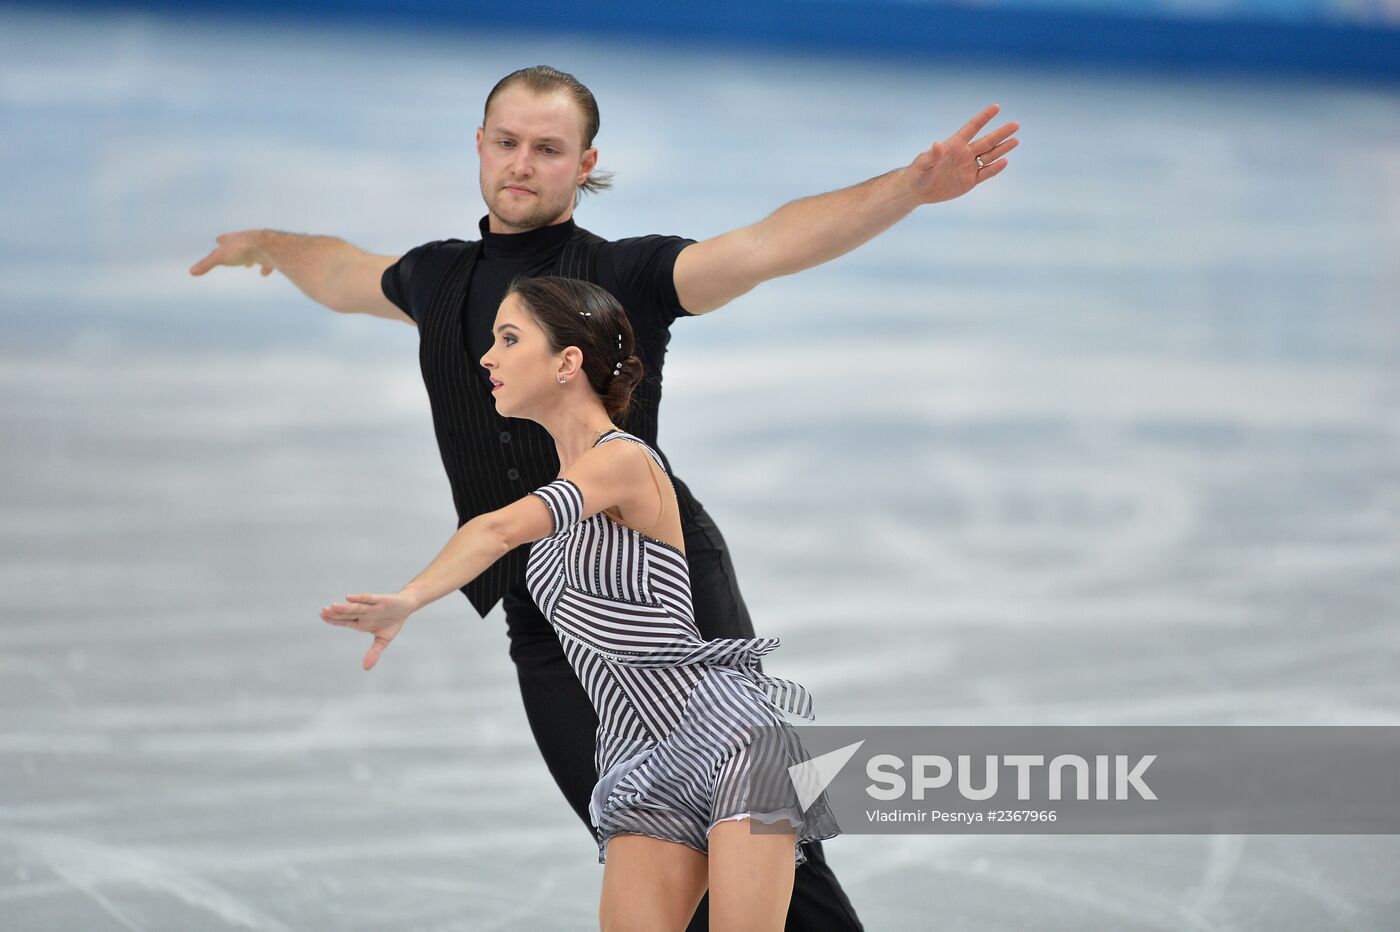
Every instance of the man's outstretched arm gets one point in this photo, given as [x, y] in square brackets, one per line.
[817, 229]
[328, 270]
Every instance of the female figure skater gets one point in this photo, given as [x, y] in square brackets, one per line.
[691, 741]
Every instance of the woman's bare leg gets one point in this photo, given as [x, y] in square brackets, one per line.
[750, 878]
[650, 884]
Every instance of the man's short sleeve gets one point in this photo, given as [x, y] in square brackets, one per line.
[410, 282]
[641, 272]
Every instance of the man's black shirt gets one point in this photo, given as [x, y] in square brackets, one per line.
[491, 461]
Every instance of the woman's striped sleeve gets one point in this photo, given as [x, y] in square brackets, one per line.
[565, 502]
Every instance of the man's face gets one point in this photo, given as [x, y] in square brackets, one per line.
[532, 159]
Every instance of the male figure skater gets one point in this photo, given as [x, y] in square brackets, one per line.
[537, 157]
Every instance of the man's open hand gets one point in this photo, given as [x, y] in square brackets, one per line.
[949, 168]
[234, 249]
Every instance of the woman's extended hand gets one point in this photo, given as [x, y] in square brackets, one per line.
[379, 614]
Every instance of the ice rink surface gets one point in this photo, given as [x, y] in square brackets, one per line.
[1113, 439]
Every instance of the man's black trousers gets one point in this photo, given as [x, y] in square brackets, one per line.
[564, 722]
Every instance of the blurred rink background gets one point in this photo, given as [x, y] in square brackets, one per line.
[1112, 439]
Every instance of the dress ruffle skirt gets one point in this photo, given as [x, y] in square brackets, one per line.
[728, 755]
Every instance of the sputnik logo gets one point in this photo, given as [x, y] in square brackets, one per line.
[811, 777]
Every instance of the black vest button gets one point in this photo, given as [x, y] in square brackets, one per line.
[512, 473]
[505, 436]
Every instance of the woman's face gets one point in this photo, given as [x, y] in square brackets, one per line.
[520, 362]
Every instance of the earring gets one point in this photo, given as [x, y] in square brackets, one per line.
[561, 380]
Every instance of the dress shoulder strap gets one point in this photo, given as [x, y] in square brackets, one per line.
[623, 435]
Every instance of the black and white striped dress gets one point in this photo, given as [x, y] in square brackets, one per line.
[690, 732]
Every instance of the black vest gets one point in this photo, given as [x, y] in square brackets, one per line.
[491, 460]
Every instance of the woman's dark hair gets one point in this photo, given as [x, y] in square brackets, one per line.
[577, 313]
[543, 79]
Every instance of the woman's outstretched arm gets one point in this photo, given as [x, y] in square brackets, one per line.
[612, 474]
